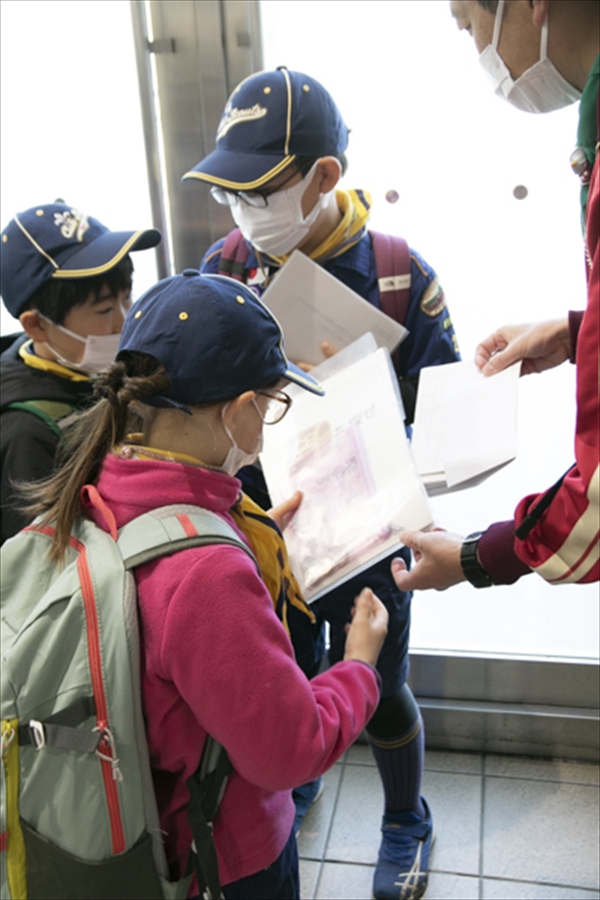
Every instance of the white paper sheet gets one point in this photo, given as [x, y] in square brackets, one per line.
[465, 424]
[349, 455]
[312, 306]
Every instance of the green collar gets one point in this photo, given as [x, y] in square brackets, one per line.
[587, 131]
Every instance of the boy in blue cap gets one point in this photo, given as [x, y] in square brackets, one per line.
[67, 278]
[280, 152]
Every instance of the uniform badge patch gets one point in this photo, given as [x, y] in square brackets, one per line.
[433, 300]
[233, 116]
[72, 224]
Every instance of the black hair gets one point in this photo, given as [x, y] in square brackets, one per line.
[489, 5]
[57, 296]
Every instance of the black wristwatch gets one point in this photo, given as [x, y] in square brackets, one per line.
[472, 568]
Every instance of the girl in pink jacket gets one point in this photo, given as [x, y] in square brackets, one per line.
[200, 370]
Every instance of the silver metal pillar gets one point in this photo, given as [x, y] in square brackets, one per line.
[201, 49]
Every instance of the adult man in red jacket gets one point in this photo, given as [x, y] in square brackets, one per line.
[540, 55]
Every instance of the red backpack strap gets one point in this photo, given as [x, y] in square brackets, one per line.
[234, 255]
[392, 261]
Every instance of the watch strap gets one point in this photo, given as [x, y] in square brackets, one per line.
[472, 568]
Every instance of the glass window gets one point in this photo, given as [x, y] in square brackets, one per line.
[71, 122]
[425, 126]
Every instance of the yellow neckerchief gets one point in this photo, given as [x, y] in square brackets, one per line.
[261, 530]
[269, 548]
[48, 365]
[355, 207]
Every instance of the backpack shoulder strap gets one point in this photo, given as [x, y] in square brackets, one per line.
[234, 255]
[161, 532]
[168, 529]
[49, 411]
[392, 261]
[206, 787]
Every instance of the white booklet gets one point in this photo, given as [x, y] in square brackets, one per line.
[349, 455]
[313, 306]
[465, 425]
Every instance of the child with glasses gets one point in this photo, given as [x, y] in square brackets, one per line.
[279, 157]
[200, 368]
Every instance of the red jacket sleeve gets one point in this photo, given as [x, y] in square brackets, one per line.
[562, 545]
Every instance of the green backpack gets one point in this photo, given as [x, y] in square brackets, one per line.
[78, 811]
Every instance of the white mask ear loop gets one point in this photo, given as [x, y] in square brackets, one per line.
[237, 458]
[544, 41]
[497, 24]
[79, 337]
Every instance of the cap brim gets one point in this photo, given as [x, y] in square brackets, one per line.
[105, 251]
[239, 171]
[295, 374]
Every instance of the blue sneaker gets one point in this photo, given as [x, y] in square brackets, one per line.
[402, 867]
[304, 797]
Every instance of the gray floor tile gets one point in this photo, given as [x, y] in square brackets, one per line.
[455, 803]
[309, 875]
[543, 769]
[522, 890]
[446, 761]
[435, 760]
[315, 827]
[360, 755]
[340, 881]
[541, 831]
[446, 886]
[355, 832]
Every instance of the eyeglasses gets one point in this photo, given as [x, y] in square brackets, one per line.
[278, 405]
[257, 199]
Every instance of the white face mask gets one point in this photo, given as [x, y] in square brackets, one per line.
[540, 89]
[279, 227]
[99, 352]
[237, 458]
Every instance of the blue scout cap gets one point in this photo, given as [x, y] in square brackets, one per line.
[270, 118]
[214, 338]
[58, 241]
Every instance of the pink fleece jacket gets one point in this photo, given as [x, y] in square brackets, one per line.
[216, 659]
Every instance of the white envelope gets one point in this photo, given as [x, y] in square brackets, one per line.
[312, 306]
[465, 425]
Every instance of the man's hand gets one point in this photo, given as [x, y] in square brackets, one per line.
[437, 561]
[539, 347]
[284, 513]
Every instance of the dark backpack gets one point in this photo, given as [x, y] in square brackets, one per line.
[56, 414]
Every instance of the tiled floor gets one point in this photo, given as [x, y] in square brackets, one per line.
[507, 828]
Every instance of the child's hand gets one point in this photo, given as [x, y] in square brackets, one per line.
[366, 634]
[326, 349]
[284, 513]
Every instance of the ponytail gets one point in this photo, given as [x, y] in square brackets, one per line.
[121, 391]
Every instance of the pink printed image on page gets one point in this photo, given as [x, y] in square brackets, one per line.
[337, 519]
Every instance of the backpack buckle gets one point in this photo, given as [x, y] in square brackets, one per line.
[38, 736]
